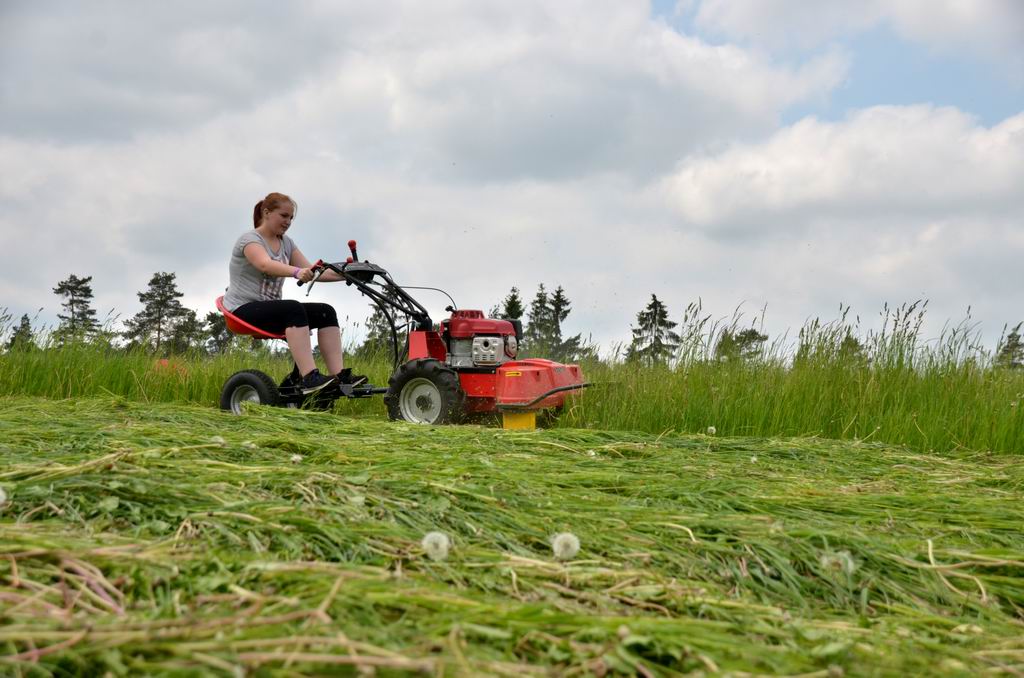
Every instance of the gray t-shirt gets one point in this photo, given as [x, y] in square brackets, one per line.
[247, 283]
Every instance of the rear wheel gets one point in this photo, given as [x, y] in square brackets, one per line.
[424, 391]
[248, 386]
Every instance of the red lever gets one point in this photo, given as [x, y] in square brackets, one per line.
[352, 247]
[348, 260]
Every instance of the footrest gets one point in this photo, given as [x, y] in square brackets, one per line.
[360, 391]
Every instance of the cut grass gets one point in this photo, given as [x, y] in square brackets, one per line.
[157, 538]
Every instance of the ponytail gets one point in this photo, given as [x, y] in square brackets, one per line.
[257, 214]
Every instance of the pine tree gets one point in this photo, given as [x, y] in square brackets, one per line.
[154, 324]
[726, 349]
[654, 339]
[187, 333]
[1011, 350]
[512, 306]
[80, 321]
[563, 350]
[218, 336]
[543, 334]
[851, 350]
[21, 339]
[537, 334]
[560, 308]
[745, 345]
[750, 343]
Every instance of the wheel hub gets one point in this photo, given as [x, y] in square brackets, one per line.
[420, 401]
[243, 394]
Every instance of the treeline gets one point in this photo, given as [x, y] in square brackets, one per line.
[165, 327]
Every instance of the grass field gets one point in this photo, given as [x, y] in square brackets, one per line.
[157, 538]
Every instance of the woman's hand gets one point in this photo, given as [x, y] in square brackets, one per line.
[305, 274]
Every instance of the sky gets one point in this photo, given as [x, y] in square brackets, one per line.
[778, 157]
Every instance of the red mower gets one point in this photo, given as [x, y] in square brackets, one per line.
[467, 365]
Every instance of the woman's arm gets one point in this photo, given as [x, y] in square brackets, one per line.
[300, 260]
[258, 257]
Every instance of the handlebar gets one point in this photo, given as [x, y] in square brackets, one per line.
[319, 267]
[389, 297]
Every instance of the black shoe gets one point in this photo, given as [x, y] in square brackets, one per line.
[346, 377]
[314, 381]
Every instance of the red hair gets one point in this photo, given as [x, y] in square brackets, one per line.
[269, 204]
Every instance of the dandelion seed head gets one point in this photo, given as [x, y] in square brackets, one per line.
[969, 628]
[712, 430]
[591, 453]
[565, 545]
[753, 459]
[840, 561]
[249, 445]
[217, 440]
[436, 545]
[296, 458]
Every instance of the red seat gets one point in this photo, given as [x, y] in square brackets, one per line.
[239, 326]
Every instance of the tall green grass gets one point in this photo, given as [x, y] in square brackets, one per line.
[889, 385]
[935, 409]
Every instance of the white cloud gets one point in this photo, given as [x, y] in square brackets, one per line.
[991, 29]
[915, 161]
[890, 205]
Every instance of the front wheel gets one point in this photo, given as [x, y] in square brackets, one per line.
[424, 391]
[248, 386]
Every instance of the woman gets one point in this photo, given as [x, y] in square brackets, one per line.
[261, 260]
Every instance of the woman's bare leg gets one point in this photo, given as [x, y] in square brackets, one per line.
[329, 340]
[301, 348]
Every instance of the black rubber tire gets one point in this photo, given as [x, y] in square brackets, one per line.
[440, 398]
[248, 386]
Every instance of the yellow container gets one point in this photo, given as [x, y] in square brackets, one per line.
[523, 421]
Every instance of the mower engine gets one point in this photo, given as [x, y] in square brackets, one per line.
[476, 341]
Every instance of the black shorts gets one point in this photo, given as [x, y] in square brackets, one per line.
[280, 314]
